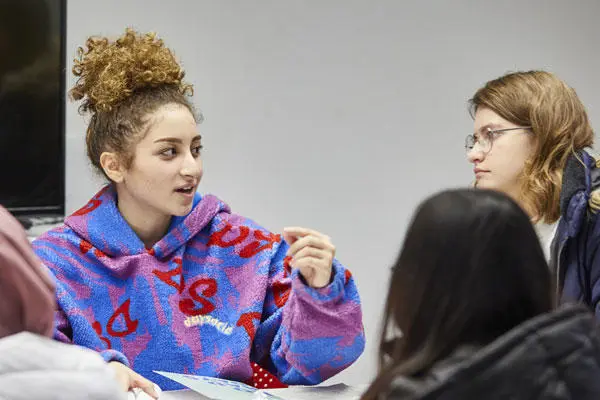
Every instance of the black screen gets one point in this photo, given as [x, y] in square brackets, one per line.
[32, 87]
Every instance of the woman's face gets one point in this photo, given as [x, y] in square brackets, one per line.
[501, 167]
[166, 168]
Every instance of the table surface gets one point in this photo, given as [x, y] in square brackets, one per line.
[181, 395]
[329, 392]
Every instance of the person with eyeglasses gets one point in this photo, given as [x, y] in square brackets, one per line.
[532, 140]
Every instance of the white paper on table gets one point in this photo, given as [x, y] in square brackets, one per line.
[331, 392]
[219, 389]
[223, 389]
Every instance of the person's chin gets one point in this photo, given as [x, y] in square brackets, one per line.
[182, 211]
[483, 183]
[488, 184]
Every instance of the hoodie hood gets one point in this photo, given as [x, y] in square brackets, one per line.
[101, 224]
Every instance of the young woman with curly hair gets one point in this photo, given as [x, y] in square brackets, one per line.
[155, 276]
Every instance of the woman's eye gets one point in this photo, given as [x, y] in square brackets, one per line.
[168, 152]
[197, 150]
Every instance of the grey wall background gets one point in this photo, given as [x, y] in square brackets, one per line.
[341, 115]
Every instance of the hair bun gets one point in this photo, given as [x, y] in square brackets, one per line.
[110, 71]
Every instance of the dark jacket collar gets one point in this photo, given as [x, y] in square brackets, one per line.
[518, 364]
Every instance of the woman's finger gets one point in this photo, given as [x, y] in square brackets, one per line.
[312, 241]
[312, 252]
[309, 262]
[301, 232]
[147, 386]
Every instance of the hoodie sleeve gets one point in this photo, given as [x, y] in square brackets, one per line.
[64, 333]
[68, 312]
[307, 335]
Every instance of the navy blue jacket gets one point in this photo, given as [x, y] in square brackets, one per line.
[574, 258]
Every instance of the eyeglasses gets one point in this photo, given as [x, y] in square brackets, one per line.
[485, 139]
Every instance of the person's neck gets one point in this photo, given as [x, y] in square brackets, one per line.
[518, 197]
[149, 225]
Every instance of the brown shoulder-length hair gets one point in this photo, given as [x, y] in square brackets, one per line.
[559, 123]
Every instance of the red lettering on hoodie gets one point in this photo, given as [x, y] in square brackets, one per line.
[85, 246]
[91, 205]
[255, 247]
[246, 321]
[188, 307]
[130, 325]
[216, 239]
[252, 248]
[98, 328]
[281, 293]
[167, 276]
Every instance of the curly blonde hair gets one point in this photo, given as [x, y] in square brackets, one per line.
[120, 83]
[559, 123]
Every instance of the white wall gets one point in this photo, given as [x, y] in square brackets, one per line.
[342, 115]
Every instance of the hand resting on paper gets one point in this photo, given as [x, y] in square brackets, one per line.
[129, 379]
[139, 394]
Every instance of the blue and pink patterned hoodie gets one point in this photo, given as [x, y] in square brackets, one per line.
[214, 295]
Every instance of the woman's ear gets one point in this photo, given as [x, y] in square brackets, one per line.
[112, 166]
